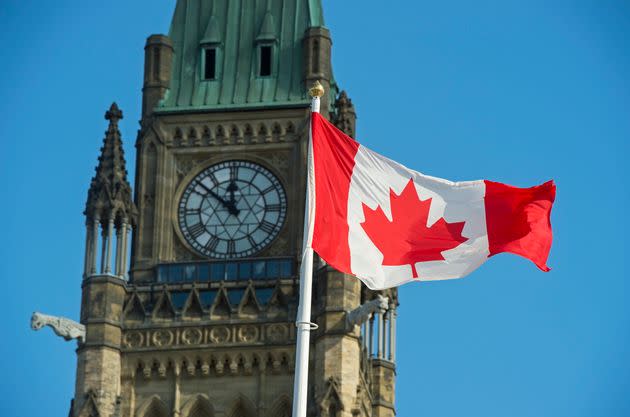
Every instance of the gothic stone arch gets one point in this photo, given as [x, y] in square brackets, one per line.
[153, 407]
[198, 406]
[281, 408]
[241, 406]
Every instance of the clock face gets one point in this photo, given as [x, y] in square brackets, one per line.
[232, 210]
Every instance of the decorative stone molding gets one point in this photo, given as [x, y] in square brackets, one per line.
[234, 335]
[279, 161]
[220, 335]
[248, 334]
[240, 133]
[134, 309]
[277, 332]
[191, 336]
[185, 164]
[63, 327]
[148, 306]
[90, 406]
[330, 403]
[162, 338]
[133, 339]
[230, 362]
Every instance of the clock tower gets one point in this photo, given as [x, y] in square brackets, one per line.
[199, 318]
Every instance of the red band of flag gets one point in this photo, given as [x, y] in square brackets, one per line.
[518, 220]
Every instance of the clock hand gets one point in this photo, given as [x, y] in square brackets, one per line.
[215, 195]
[231, 189]
[232, 209]
[229, 205]
[222, 200]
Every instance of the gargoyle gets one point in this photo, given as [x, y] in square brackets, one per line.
[66, 328]
[361, 314]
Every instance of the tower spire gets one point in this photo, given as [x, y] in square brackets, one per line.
[110, 194]
[109, 205]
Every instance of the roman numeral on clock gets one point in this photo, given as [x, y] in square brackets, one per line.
[233, 173]
[266, 190]
[211, 245]
[273, 207]
[231, 247]
[266, 226]
[196, 230]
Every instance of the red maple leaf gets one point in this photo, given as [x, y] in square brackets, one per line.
[406, 239]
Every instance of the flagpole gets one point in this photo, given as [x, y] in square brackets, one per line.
[303, 322]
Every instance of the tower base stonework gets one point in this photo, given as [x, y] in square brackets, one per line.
[383, 374]
[99, 357]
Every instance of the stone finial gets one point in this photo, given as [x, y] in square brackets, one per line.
[114, 114]
[110, 196]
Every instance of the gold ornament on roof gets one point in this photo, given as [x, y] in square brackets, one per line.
[317, 90]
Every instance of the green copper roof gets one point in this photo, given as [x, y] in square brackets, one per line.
[237, 28]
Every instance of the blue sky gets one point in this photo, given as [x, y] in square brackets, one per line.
[513, 91]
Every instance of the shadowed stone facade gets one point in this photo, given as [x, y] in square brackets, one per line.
[172, 331]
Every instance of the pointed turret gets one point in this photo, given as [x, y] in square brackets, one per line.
[109, 204]
[110, 193]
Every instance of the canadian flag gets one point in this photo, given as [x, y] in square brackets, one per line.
[386, 224]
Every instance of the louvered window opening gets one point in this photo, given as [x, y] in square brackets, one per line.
[265, 61]
[210, 61]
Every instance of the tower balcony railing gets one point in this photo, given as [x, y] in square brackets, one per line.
[228, 270]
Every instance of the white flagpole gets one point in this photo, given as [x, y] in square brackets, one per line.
[303, 323]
